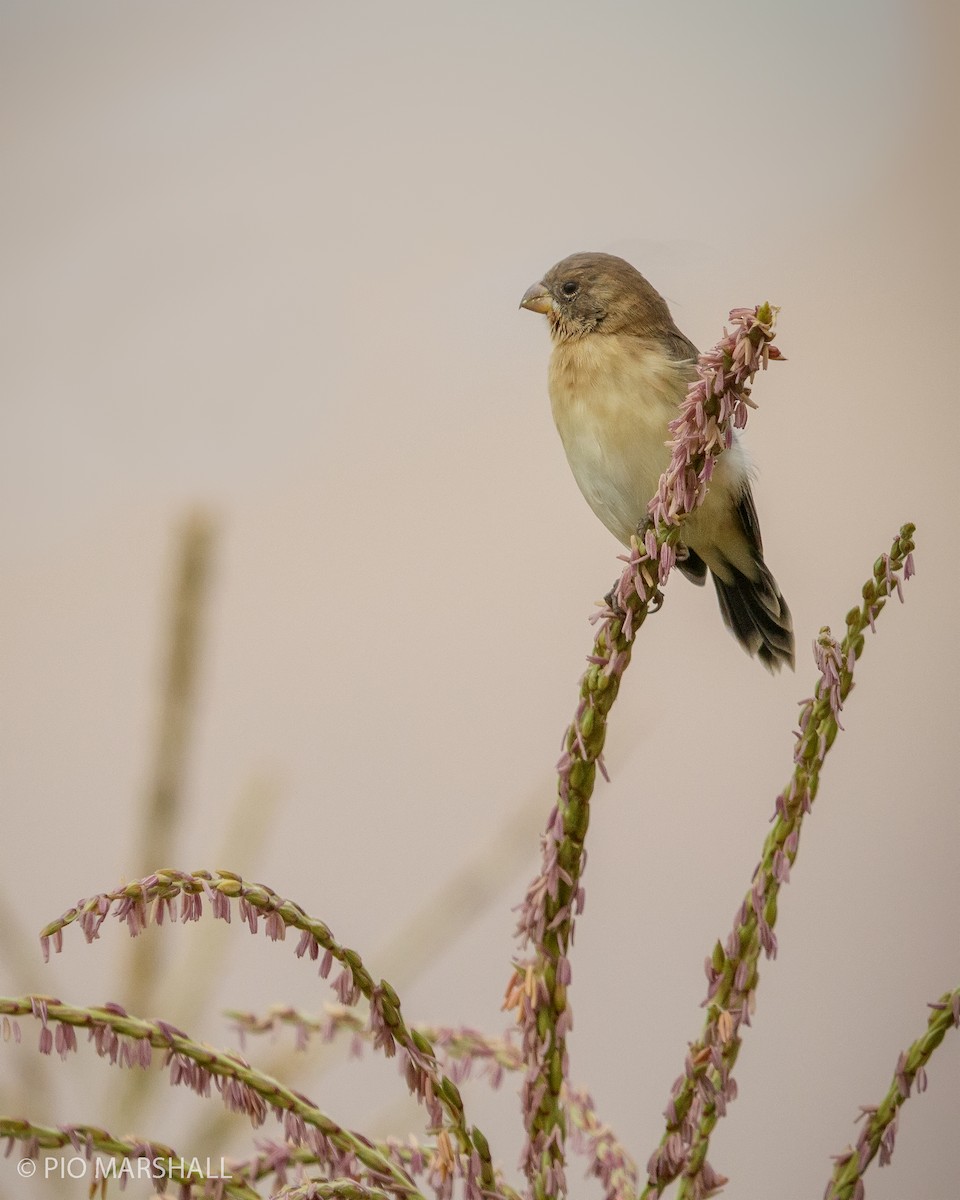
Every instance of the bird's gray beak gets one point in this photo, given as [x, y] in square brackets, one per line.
[537, 299]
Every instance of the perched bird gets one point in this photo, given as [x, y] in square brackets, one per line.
[618, 371]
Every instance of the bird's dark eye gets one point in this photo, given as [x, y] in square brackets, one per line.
[570, 288]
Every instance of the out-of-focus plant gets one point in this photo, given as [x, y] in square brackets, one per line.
[314, 1155]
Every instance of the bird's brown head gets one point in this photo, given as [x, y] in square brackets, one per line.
[590, 292]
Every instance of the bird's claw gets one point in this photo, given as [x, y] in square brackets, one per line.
[611, 601]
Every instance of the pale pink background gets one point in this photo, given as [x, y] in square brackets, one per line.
[267, 258]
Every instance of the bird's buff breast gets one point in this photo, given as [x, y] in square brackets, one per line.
[612, 400]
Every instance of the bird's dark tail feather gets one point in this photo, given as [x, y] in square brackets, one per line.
[757, 615]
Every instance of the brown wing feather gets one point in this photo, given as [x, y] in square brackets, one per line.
[754, 610]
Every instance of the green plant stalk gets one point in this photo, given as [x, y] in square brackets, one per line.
[219, 1063]
[264, 1164]
[850, 1168]
[609, 1160]
[819, 730]
[329, 1189]
[93, 1139]
[335, 1019]
[248, 821]
[163, 887]
[458, 1044]
[584, 743]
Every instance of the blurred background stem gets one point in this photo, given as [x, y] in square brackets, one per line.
[161, 813]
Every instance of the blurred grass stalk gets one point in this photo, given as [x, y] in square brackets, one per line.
[161, 813]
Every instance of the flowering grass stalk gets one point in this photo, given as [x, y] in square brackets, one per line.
[330, 1189]
[609, 1160]
[700, 1096]
[880, 1125]
[89, 1141]
[717, 403]
[130, 1041]
[463, 1049]
[278, 1162]
[156, 898]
